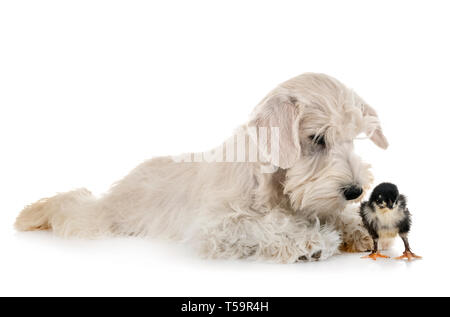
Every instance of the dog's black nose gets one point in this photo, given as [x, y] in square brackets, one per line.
[352, 192]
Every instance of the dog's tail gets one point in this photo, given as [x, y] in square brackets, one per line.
[73, 213]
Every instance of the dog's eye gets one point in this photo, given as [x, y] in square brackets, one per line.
[318, 139]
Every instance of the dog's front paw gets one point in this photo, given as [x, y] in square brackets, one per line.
[313, 257]
[358, 240]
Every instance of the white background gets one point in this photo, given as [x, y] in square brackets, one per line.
[89, 89]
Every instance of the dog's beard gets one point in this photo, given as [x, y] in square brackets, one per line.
[316, 197]
[315, 184]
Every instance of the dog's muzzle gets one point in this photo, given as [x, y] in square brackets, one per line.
[352, 192]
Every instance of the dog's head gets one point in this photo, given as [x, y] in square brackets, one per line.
[317, 119]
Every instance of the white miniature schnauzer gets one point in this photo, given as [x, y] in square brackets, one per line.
[285, 200]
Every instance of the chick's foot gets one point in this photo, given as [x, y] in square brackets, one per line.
[408, 255]
[374, 256]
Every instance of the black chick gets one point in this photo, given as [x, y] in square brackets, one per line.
[386, 215]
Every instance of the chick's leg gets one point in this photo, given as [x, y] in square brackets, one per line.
[407, 254]
[375, 254]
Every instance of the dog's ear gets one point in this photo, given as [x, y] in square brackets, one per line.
[280, 112]
[374, 131]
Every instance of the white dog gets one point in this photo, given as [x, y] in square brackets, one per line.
[289, 204]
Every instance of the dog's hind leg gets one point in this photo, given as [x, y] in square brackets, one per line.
[73, 213]
[275, 236]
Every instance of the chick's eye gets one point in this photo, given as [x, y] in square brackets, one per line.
[318, 139]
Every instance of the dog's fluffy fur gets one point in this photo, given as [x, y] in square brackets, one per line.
[237, 210]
